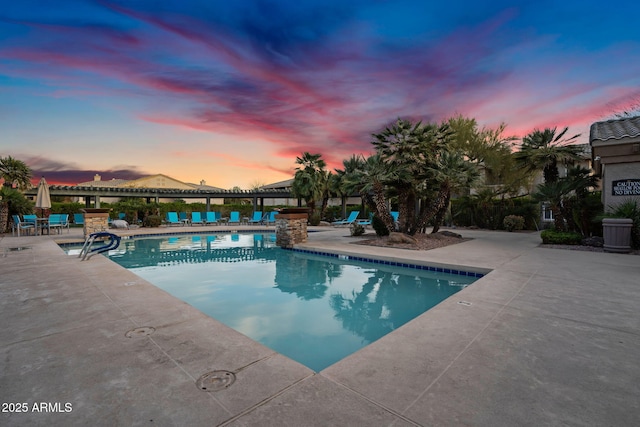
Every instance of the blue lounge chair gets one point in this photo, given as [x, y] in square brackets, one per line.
[19, 226]
[365, 222]
[196, 218]
[78, 219]
[353, 216]
[271, 219]
[172, 219]
[234, 217]
[210, 218]
[184, 219]
[257, 218]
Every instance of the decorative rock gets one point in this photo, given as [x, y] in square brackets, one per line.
[594, 241]
[119, 223]
[401, 238]
[451, 234]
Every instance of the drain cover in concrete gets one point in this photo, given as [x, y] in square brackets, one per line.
[140, 332]
[215, 380]
[18, 248]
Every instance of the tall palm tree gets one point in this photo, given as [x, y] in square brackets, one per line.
[15, 172]
[309, 181]
[341, 177]
[544, 150]
[411, 150]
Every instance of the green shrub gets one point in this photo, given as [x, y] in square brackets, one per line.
[513, 222]
[552, 237]
[356, 229]
[315, 218]
[379, 227]
[152, 221]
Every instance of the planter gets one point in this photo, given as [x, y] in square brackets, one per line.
[617, 235]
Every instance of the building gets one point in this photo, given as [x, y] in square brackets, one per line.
[616, 157]
[152, 181]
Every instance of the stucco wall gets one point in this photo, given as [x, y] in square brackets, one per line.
[616, 172]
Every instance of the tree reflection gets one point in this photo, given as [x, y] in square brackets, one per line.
[303, 275]
[387, 301]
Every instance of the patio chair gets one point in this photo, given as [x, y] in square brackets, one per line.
[257, 218]
[183, 218]
[353, 216]
[54, 223]
[65, 221]
[30, 219]
[196, 218]
[234, 218]
[211, 218]
[172, 219]
[58, 222]
[271, 219]
[78, 219]
[19, 226]
[365, 222]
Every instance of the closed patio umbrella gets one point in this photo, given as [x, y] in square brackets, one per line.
[43, 198]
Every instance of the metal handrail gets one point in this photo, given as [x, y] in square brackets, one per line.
[88, 250]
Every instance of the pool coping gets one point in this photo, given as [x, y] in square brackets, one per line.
[478, 363]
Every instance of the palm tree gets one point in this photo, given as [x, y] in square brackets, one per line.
[339, 180]
[555, 193]
[309, 181]
[15, 172]
[543, 150]
[454, 174]
[411, 150]
[369, 181]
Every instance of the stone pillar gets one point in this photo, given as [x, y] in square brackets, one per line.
[291, 227]
[95, 220]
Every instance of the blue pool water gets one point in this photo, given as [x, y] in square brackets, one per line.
[312, 308]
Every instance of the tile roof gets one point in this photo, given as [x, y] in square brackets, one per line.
[280, 184]
[110, 183]
[615, 129]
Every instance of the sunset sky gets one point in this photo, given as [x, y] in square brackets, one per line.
[231, 92]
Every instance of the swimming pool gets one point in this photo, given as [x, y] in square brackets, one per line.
[313, 308]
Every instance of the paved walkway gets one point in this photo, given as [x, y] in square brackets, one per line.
[548, 337]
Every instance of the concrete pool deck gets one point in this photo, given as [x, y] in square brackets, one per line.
[548, 337]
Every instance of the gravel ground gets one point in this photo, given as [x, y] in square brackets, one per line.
[433, 241]
[424, 242]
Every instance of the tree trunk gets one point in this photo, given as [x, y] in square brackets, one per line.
[380, 207]
[4, 217]
[442, 211]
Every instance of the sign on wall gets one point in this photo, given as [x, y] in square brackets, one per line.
[626, 187]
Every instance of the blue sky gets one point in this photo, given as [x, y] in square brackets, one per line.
[232, 92]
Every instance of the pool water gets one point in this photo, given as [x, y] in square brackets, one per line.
[312, 308]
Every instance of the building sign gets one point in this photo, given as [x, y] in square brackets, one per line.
[626, 187]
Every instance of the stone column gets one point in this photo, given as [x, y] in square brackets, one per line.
[291, 227]
[95, 220]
